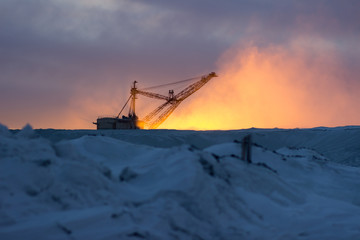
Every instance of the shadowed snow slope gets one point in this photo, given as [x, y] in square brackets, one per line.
[339, 144]
[57, 184]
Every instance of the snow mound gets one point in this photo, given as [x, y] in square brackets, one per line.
[4, 131]
[98, 187]
[26, 132]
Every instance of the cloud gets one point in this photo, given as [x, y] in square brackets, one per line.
[297, 86]
[87, 53]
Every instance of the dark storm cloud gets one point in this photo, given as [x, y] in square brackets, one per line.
[58, 47]
[55, 34]
[346, 14]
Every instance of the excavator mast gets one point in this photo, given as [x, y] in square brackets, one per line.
[156, 117]
[133, 92]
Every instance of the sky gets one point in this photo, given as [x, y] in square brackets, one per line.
[281, 63]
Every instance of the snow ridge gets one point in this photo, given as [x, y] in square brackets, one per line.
[100, 187]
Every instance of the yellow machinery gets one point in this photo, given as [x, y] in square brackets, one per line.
[158, 115]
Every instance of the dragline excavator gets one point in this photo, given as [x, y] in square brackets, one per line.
[158, 115]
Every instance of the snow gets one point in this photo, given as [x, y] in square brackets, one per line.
[168, 184]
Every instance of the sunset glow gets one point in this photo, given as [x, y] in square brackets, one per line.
[290, 87]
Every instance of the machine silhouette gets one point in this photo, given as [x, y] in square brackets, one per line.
[156, 117]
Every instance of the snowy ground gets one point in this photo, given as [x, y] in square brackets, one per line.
[58, 184]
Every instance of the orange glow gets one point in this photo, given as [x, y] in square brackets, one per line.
[300, 86]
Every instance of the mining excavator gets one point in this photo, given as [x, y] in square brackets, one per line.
[155, 118]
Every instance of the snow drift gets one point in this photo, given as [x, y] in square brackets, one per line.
[92, 185]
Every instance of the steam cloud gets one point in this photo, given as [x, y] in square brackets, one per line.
[304, 84]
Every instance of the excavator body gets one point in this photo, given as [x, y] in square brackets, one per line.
[119, 123]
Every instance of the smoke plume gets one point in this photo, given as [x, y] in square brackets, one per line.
[303, 84]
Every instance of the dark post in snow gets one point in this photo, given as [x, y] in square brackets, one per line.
[246, 148]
